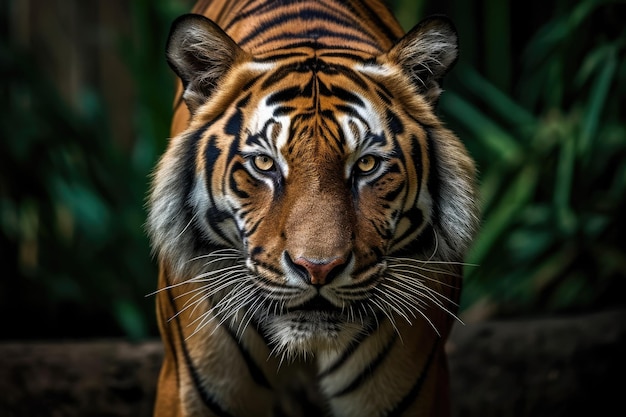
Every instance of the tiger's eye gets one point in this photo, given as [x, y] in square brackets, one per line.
[367, 164]
[263, 162]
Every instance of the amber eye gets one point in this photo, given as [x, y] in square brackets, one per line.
[263, 163]
[367, 164]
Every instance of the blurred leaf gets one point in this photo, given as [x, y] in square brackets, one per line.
[131, 319]
[488, 133]
[89, 211]
[534, 249]
[516, 194]
[563, 186]
[557, 31]
[599, 93]
[576, 290]
[502, 105]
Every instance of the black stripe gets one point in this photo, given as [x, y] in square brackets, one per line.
[354, 345]
[315, 45]
[355, 77]
[382, 91]
[316, 34]
[235, 122]
[425, 242]
[187, 166]
[414, 214]
[255, 371]
[414, 392]
[285, 94]
[434, 178]
[188, 161]
[244, 14]
[342, 54]
[378, 254]
[304, 13]
[393, 194]
[370, 369]
[339, 362]
[249, 86]
[255, 225]
[207, 398]
[422, 123]
[168, 335]
[372, 140]
[280, 56]
[384, 96]
[394, 123]
[342, 94]
[283, 111]
[232, 182]
[214, 216]
[380, 23]
[278, 75]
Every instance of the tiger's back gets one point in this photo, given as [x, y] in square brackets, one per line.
[311, 212]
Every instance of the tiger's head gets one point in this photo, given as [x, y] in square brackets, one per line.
[313, 192]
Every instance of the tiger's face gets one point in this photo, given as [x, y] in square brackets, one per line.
[315, 193]
[313, 184]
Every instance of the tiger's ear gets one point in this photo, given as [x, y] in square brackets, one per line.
[200, 53]
[426, 53]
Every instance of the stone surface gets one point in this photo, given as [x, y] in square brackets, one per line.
[572, 366]
[67, 379]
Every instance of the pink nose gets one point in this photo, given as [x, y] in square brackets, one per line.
[319, 271]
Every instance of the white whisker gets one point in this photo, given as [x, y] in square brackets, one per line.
[405, 282]
[187, 226]
[430, 322]
[387, 314]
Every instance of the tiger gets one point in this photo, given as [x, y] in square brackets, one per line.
[311, 214]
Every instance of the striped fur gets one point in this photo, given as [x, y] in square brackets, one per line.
[311, 213]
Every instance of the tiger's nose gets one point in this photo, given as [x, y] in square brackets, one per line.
[320, 272]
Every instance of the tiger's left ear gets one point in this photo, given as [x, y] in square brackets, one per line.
[426, 53]
[201, 54]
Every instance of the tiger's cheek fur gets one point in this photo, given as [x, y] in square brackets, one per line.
[379, 206]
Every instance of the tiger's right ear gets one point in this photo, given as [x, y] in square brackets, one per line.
[200, 53]
[426, 53]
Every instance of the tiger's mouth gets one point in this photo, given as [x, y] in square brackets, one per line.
[314, 326]
[317, 310]
[316, 304]
[318, 314]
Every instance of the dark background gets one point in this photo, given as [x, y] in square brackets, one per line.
[537, 96]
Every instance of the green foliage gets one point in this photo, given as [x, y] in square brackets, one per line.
[71, 239]
[553, 168]
[75, 256]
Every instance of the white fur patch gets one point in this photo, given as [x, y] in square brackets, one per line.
[259, 125]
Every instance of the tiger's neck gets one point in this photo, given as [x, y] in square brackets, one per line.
[378, 373]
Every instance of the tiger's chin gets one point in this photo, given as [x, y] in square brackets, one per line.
[301, 335]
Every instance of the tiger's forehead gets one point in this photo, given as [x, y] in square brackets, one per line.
[345, 128]
[315, 103]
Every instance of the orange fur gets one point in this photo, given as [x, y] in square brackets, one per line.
[310, 266]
